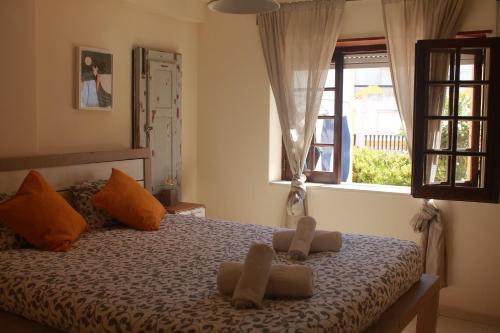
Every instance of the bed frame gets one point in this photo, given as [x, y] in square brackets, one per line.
[64, 170]
[421, 300]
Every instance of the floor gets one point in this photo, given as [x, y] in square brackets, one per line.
[452, 325]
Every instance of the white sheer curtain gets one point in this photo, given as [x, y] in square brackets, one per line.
[407, 21]
[428, 223]
[298, 42]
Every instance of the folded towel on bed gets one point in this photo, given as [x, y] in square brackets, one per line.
[285, 281]
[323, 241]
[301, 242]
[252, 283]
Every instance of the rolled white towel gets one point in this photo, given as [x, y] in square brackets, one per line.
[323, 241]
[252, 283]
[285, 281]
[301, 242]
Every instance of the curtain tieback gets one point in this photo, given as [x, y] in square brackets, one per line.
[297, 195]
[428, 212]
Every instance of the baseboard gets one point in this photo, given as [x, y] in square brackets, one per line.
[482, 318]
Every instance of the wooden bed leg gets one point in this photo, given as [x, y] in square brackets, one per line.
[427, 315]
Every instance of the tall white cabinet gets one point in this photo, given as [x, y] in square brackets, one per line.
[157, 115]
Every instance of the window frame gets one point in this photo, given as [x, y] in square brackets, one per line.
[378, 44]
[449, 190]
[334, 177]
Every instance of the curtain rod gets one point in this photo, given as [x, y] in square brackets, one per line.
[283, 2]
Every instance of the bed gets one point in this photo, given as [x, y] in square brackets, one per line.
[123, 280]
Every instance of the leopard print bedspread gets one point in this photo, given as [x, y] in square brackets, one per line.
[122, 280]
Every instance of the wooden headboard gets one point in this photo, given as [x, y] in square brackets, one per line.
[65, 170]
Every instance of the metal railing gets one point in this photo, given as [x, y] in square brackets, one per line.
[385, 142]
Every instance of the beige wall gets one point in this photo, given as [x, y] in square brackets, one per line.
[239, 149]
[38, 85]
[18, 130]
[188, 10]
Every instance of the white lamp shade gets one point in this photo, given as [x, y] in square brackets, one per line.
[243, 6]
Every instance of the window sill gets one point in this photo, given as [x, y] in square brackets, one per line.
[387, 189]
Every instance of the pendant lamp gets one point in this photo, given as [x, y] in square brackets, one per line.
[243, 6]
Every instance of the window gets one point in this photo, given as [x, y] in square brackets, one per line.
[456, 130]
[359, 136]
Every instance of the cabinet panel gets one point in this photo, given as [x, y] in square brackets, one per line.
[157, 113]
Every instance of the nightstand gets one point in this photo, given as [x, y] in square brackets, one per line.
[187, 208]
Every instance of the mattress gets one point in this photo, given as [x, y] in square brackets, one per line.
[122, 280]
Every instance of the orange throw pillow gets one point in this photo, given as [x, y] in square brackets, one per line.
[41, 216]
[125, 200]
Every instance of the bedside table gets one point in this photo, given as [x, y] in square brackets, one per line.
[187, 208]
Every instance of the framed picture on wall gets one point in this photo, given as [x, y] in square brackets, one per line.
[95, 79]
